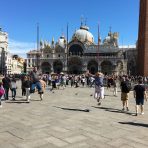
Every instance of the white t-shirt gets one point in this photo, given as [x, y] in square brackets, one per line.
[13, 84]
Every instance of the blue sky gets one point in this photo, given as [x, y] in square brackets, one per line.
[20, 17]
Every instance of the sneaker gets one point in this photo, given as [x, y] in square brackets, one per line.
[99, 103]
[98, 100]
[127, 109]
[123, 109]
[142, 113]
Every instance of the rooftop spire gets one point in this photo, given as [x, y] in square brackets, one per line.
[86, 21]
[52, 41]
[110, 29]
[62, 32]
[82, 20]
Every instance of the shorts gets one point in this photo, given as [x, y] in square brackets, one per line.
[140, 101]
[124, 96]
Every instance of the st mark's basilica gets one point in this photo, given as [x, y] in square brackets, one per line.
[82, 54]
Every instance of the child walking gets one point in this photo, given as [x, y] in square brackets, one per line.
[27, 85]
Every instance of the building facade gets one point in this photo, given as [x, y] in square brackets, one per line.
[9, 64]
[3, 51]
[17, 65]
[82, 54]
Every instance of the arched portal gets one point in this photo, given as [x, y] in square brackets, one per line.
[131, 67]
[76, 50]
[46, 67]
[75, 65]
[107, 67]
[57, 66]
[92, 66]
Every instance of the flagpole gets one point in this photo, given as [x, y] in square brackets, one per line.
[37, 45]
[98, 44]
[67, 48]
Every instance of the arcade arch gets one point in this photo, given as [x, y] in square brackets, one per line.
[107, 67]
[75, 65]
[92, 66]
[57, 66]
[46, 67]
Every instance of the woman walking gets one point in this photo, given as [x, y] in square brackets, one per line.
[13, 88]
[99, 88]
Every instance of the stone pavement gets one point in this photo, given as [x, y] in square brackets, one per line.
[52, 123]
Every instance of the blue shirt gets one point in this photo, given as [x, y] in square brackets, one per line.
[99, 81]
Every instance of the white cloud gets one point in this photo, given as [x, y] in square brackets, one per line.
[20, 48]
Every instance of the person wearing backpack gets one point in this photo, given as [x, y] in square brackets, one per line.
[125, 89]
[2, 92]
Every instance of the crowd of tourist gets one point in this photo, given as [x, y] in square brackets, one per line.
[36, 82]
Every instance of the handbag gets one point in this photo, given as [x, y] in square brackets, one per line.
[2, 91]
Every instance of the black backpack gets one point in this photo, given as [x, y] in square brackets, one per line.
[128, 86]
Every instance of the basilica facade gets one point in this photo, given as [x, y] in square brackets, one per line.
[82, 54]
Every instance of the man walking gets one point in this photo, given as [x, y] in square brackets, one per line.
[125, 89]
[6, 84]
[140, 95]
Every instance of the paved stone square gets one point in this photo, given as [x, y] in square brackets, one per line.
[54, 122]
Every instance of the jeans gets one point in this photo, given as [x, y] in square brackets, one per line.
[13, 90]
[36, 85]
[6, 95]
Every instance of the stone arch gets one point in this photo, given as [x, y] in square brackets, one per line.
[75, 65]
[57, 66]
[131, 67]
[107, 67]
[46, 67]
[119, 67]
[92, 66]
[76, 50]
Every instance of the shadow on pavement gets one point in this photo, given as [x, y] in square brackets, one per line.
[109, 95]
[35, 99]
[113, 110]
[73, 109]
[135, 124]
[17, 101]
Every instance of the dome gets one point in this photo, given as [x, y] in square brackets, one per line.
[61, 42]
[84, 35]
